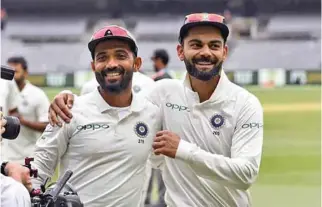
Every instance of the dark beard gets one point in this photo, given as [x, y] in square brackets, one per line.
[20, 81]
[118, 86]
[202, 75]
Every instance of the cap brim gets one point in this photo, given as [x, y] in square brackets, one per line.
[92, 44]
[222, 27]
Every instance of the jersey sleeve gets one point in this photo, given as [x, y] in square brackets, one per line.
[242, 167]
[155, 95]
[42, 107]
[50, 147]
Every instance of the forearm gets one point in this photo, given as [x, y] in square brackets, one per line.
[239, 173]
[45, 166]
[38, 126]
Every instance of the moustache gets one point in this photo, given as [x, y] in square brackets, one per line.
[106, 71]
[204, 59]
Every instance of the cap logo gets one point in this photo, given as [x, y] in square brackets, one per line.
[108, 33]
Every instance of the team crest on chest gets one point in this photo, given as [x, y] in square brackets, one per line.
[217, 121]
[141, 129]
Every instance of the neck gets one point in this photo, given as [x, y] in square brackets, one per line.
[161, 68]
[21, 85]
[122, 99]
[204, 88]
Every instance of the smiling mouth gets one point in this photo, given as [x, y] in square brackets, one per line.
[204, 63]
[113, 74]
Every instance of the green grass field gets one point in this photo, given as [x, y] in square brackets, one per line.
[290, 173]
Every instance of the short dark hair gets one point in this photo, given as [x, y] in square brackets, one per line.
[162, 54]
[19, 60]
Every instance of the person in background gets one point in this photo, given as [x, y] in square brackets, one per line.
[33, 105]
[4, 18]
[160, 60]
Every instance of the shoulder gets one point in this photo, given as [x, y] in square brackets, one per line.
[244, 97]
[165, 85]
[140, 76]
[90, 85]
[83, 103]
[34, 90]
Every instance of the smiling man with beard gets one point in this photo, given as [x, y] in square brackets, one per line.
[110, 137]
[212, 129]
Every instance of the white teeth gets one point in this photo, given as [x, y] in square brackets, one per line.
[204, 63]
[113, 74]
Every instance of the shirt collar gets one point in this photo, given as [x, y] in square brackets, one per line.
[136, 105]
[220, 91]
[25, 87]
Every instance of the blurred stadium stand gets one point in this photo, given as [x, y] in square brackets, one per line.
[53, 34]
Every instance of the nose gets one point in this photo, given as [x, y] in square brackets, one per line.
[111, 63]
[205, 51]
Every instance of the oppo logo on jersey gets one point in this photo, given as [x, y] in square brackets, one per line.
[252, 125]
[93, 126]
[177, 107]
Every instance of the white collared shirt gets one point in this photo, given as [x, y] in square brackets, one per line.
[107, 154]
[219, 154]
[33, 105]
[141, 85]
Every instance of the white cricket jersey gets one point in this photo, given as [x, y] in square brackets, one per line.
[219, 154]
[141, 84]
[107, 154]
[13, 193]
[8, 96]
[33, 105]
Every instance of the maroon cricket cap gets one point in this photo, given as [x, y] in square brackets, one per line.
[199, 19]
[112, 32]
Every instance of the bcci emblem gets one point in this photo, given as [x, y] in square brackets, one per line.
[141, 129]
[217, 121]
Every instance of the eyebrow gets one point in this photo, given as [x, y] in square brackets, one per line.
[212, 41]
[121, 50]
[100, 53]
[117, 50]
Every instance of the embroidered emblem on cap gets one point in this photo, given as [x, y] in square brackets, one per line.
[108, 33]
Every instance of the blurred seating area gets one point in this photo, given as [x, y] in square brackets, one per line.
[60, 44]
[53, 34]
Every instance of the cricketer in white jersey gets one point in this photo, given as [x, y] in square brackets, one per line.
[106, 152]
[33, 106]
[109, 140]
[141, 84]
[219, 154]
